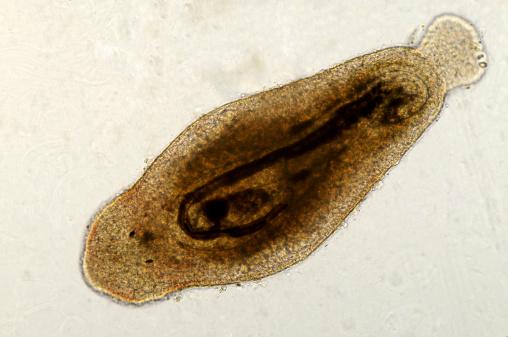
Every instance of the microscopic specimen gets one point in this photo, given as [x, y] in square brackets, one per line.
[256, 185]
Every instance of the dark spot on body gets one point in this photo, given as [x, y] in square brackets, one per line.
[300, 176]
[149, 261]
[132, 234]
[147, 237]
[216, 209]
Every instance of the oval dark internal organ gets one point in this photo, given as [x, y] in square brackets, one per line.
[256, 185]
[233, 215]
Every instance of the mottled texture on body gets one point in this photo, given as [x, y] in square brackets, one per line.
[256, 185]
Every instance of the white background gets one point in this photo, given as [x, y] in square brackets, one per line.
[89, 90]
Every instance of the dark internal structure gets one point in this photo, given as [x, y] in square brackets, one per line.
[382, 101]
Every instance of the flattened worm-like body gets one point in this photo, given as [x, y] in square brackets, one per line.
[256, 185]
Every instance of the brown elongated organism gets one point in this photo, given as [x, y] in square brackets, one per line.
[258, 184]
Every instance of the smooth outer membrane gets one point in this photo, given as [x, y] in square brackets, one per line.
[258, 184]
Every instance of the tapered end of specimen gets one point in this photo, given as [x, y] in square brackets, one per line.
[454, 46]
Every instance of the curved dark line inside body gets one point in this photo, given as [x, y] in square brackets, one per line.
[343, 118]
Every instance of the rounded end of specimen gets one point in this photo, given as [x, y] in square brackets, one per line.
[454, 46]
[122, 256]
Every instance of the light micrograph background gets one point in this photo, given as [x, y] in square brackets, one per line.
[92, 91]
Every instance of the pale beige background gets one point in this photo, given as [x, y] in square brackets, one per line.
[89, 90]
